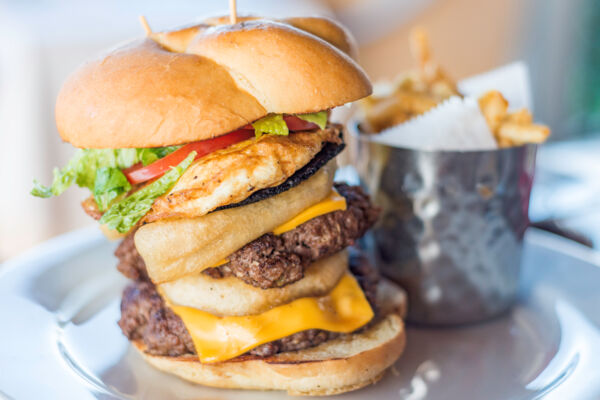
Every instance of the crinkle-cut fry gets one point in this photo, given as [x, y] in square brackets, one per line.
[521, 134]
[493, 107]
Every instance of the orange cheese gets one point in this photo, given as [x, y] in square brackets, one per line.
[331, 203]
[222, 262]
[344, 309]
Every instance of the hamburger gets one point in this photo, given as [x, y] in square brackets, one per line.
[209, 152]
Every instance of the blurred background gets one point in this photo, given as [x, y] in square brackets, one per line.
[42, 41]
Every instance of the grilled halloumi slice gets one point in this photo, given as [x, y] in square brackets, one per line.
[230, 175]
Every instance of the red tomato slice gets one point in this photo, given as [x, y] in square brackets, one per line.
[298, 124]
[139, 174]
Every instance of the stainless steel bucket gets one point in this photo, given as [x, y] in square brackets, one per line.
[452, 226]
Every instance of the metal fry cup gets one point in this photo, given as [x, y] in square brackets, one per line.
[452, 225]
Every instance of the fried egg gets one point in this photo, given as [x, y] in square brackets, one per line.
[230, 175]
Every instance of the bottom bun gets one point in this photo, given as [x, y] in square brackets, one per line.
[336, 366]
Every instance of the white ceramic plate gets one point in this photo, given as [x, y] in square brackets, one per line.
[59, 339]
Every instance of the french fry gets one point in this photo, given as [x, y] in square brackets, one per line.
[383, 113]
[504, 142]
[493, 107]
[510, 129]
[419, 47]
[520, 134]
[443, 90]
[522, 116]
[415, 103]
[416, 92]
[406, 81]
[413, 93]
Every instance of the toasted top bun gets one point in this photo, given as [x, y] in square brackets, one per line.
[325, 28]
[230, 296]
[204, 81]
[336, 366]
[176, 248]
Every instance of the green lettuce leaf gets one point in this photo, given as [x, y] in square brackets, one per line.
[83, 166]
[271, 124]
[109, 184]
[149, 155]
[123, 215]
[274, 124]
[319, 118]
[63, 178]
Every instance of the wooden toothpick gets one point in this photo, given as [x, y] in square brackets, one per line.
[145, 25]
[232, 12]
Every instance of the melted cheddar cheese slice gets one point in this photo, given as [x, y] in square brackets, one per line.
[331, 203]
[344, 309]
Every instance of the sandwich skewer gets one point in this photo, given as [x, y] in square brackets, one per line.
[145, 25]
[232, 12]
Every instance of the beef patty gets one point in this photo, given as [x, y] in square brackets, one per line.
[275, 261]
[145, 317]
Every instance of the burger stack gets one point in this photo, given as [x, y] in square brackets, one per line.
[212, 155]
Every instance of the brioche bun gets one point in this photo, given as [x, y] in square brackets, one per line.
[284, 68]
[176, 248]
[230, 296]
[205, 81]
[322, 27]
[336, 366]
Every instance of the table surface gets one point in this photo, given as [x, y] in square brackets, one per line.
[567, 188]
